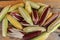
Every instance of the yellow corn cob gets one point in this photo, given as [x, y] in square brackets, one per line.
[49, 15]
[16, 6]
[14, 22]
[4, 12]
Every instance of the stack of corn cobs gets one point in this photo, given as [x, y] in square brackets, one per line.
[28, 21]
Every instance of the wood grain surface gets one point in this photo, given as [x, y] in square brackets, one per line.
[53, 3]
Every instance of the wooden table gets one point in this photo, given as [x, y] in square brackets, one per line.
[54, 4]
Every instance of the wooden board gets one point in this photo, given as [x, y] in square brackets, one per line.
[54, 4]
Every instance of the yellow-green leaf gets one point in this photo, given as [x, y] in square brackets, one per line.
[32, 29]
[4, 27]
[25, 15]
[4, 12]
[28, 7]
[34, 5]
[16, 6]
[42, 36]
[14, 22]
[52, 27]
[41, 10]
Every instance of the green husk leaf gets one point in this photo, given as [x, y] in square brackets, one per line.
[55, 27]
[4, 12]
[41, 4]
[14, 22]
[25, 15]
[4, 27]
[42, 36]
[34, 5]
[16, 6]
[32, 29]
[28, 7]
[52, 27]
[41, 10]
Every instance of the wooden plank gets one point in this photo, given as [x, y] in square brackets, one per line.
[53, 3]
[5, 3]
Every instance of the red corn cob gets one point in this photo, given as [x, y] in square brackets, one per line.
[35, 16]
[43, 16]
[31, 35]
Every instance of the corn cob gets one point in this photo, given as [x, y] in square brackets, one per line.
[16, 6]
[41, 9]
[32, 29]
[42, 36]
[14, 22]
[52, 27]
[4, 27]
[34, 5]
[28, 7]
[25, 15]
[49, 15]
[51, 19]
[4, 12]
